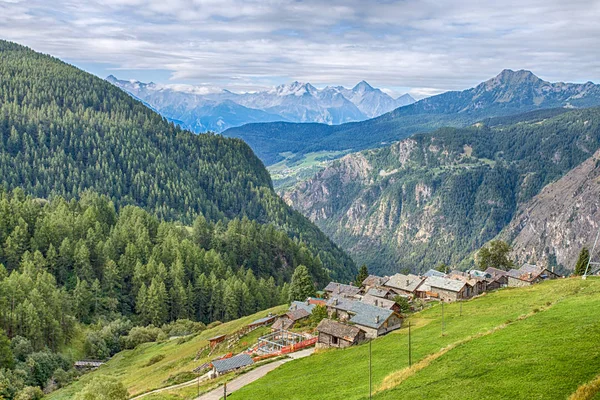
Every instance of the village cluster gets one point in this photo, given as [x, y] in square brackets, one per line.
[357, 314]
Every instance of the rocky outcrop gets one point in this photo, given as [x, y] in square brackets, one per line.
[552, 227]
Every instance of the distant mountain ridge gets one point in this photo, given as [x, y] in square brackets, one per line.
[203, 111]
[509, 93]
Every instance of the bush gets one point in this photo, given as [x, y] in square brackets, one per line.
[30, 393]
[21, 347]
[180, 378]
[103, 388]
[138, 335]
[155, 359]
[183, 327]
[42, 366]
[213, 324]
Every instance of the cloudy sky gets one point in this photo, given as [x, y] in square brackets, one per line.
[424, 47]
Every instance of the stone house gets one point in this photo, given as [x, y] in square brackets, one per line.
[404, 284]
[380, 302]
[446, 289]
[373, 281]
[336, 334]
[529, 274]
[339, 289]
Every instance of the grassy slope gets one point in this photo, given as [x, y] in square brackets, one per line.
[535, 342]
[129, 366]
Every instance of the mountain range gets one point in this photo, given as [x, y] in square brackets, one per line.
[198, 111]
[510, 92]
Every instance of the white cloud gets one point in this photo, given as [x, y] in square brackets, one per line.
[429, 46]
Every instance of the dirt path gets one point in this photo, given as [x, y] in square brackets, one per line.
[252, 376]
[178, 386]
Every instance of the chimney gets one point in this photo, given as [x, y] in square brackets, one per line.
[553, 268]
[375, 302]
[407, 282]
[308, 301]
[335, 302]
[377, 319]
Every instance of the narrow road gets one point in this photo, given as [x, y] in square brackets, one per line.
[252, 376]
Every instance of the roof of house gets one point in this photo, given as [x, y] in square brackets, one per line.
[235, 362]
[298, 314]
[341, 303]
[282, 323]
[302, 305]
[264, 320]
[433, 272]
[368, 315]
[378, 301]
[529, 272]
[407, 283]
[219, 337]
[374, 280]
[495, 272]
[337, 329]
[378, 292]
[452, 285]
[340, 288]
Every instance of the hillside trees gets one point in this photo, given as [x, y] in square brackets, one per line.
[302, 285]
[495, 255]
[63, 131]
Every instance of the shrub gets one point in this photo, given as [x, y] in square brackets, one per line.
[30, 393]
[180, 378]
[155, 359]
[183, 327]
[103, 388]
[138, 335]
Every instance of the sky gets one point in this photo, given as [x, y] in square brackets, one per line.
[420, 47]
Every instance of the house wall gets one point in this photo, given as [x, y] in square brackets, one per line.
[448, 295]
[514, 282]
[326, 340]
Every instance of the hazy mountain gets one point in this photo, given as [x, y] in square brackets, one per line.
[200, 111]
[509, 93]
[439, 196]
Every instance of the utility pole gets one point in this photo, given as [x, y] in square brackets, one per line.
[591, 255]
[409, 347]
[370, 365]
[225, 391]
[198, 385]
[461, 308]
[443, 317]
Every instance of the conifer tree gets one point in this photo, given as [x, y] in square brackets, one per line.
[582, 261]
[302, 285]
[363, 273]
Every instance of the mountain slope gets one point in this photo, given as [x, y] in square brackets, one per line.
[511, 92]
[64, 131]
[552, 227]
[296, 102]
[439, 196]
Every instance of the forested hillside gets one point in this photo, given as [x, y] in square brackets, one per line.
[439, 196]
[63, 131]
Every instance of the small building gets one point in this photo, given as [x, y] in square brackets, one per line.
[214, 341]
[225, 365]
[529, 274]
[290, 318]
[269, 319]
[497, 278]
[339, 289]
[374, 321]
[307, 305]
[87, 365]
[381, 292]
[404, 284]
[316, 301]
[337, 334]
[448, 289]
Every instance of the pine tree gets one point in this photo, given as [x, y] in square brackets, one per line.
[6, 356]
[302, 285]
[582, 261]
[363, 273]
[157, 302]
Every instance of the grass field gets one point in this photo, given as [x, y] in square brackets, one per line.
[130, 366]
[539, 342]
[289, 172]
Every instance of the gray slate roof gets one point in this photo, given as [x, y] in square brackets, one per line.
[407, 283]
[433, 272]
[445, 283]
[368, 315]
[378, 302]
[337, 329]
[298, 314]
[378, 292]
[374, 281]
[235, 362]
[339, 288]
[341, 303]
[301, 305]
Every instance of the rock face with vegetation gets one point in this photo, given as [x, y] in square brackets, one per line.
[437, 197]
[552, 227]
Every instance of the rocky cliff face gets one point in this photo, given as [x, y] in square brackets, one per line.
[438, 197]
[551, 228]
